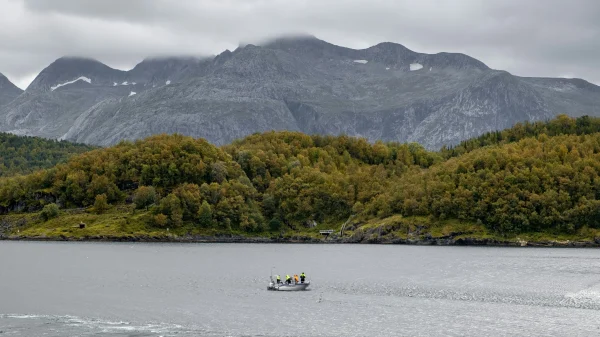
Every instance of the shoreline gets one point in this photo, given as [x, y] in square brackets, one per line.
[311, 240]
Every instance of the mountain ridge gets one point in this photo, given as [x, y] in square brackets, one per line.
[383, 92]
[8, 91]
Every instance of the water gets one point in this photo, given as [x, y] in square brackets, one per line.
[106, 289]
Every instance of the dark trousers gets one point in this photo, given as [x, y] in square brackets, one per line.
[301, 279]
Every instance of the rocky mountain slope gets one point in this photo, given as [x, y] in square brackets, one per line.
[8, 91]
[304, 84]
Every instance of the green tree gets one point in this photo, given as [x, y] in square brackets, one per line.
[103, 185]
[358, 207]
[49, 211]
[275, 224]
[171, 207]
[191, 198]
[205, 218]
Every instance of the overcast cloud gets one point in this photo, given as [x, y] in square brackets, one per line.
[553, 38]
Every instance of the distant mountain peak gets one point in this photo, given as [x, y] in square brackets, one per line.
[295, 40]
[5, 82]
[287, 38]
[68, 69]
[387, 53]
[291, 38]
[8, 91]
[172, 58]
[70, 62]
[72, 58]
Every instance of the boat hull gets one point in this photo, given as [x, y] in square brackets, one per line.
[289, 287]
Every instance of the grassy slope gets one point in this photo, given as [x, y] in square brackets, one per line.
[419, 228]
[125, 223]
[119, 222]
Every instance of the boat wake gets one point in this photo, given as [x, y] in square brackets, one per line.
[54, 325]
[585, 299]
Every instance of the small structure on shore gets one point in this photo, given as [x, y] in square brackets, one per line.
[326, 232]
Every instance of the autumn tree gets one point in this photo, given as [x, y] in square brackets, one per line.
[144, 196]
[100, 203]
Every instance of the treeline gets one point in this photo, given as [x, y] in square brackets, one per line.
[562, 125]
[303, 178]
[263, 182]
[23, 154]
[534, 177]
[536, 184]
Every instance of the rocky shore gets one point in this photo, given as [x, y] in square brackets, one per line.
[445, 241]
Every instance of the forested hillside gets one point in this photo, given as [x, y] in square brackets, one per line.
[562, 125]
[541, 177]
[22, 154]
[536, 184]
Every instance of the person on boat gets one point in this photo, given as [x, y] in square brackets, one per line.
[288, 279]
[296, 278]
[302, 277]
[278, 279]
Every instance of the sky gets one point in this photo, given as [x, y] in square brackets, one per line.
[548, 38]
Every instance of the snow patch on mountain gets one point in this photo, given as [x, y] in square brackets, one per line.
[132, 93]
[82, 78]
[361, 61]
[564, 87]
[415, 66]
[125, 83]
[168, 82]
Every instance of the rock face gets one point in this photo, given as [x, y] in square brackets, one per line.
[385, 92]
[8, 91]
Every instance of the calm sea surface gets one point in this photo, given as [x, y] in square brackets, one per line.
[104, 289]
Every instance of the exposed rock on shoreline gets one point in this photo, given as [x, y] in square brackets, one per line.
[305, 239]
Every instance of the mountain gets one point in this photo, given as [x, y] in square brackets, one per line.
[74, 71]
[71, 85]
[159, 70]
[8, 91]
[59, 94]
[386, 92]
